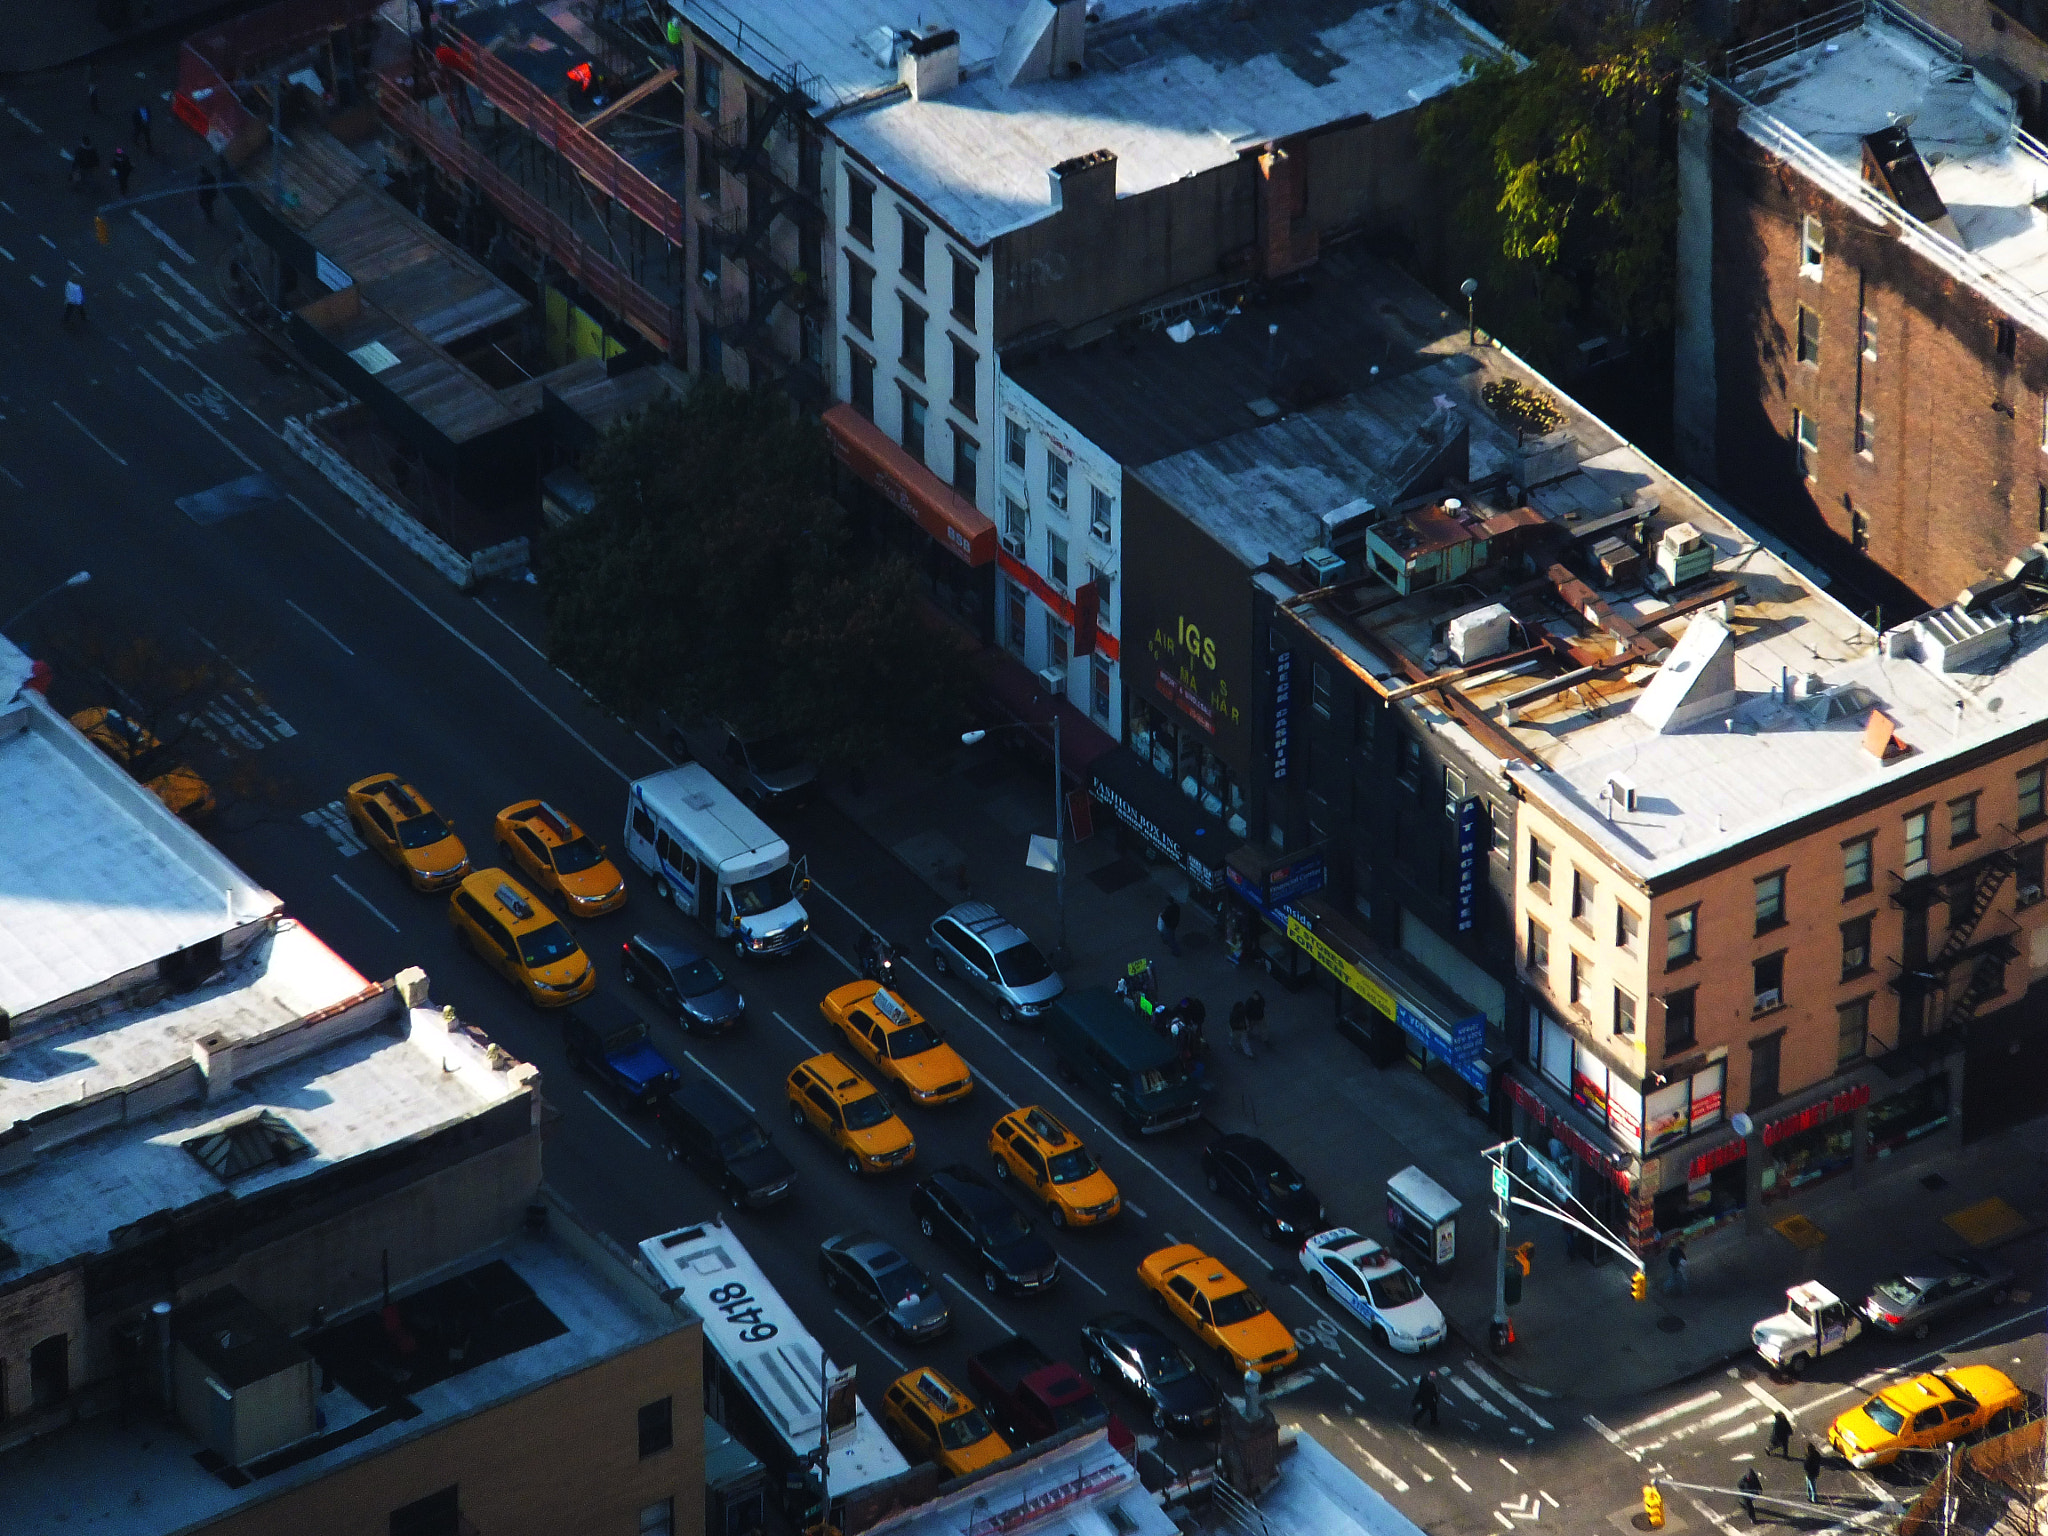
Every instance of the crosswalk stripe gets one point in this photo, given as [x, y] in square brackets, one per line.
[1486, 1376]
[1459, 1383]
[1679, 1412]
[1742, 1429]
[1612, 1438]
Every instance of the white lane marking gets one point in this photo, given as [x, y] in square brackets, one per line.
[728, 1087]
[1459, 1383]
[7, 253]
[1135, 1209]
[1504, 1520]
[175, 249]
[1392, 1477]
[871, 1339]
[1688, 1406]
[1356, 1395]
[359, 896]
[1767, 1400]
[199, 327]
[1523, 1508]
[1740, 1430]
[516, 635]
[179, 278]
[778, 1018]
[1461, 1482]
[1612, 1438]
[641, 734]
[1416, 1468]
[1718, 1521]
[605, 1110]
[185, 406]
[1512, 1468]
[1545, 1493]
[37, 281]
[1074, 1268]
[10, 474]
[151, 338]
[1711, 1420]
[1865, 1383]
[74, 266]
[333, 820]
[330, 634]
[88, 431]
[1439, 1455]
[1487, 1376]
[16, 114]
[184, 342]
[47, 241]
[968, 1292]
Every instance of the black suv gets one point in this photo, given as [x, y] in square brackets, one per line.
[957, 1207]
[1264, 1183]
[683, 984]
[710, 1130]
[609, 1041]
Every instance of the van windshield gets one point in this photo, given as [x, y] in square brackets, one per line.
[749, 1138]
[969, 1429]
[1021, 965]
[763, 893]
[575, 856]
[1159, 1079]
[1069, 1167]
[546, 945]
[867, 1112]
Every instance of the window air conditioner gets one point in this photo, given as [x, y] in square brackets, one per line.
[1769, 999]
[1014, 543]
[1054, 680]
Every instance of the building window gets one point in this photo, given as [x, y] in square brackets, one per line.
[1101, 513]
[1812, 246]
[708, 185]
[1859, 531]
[2030, 782]
[1408, 771]
[1536, 951]
[1104, 583]
[860, 296]
[1805, 443]
[1681, 938]
[1867, 336]
[1098, 689]
[1763, 1071]
[2008, 340]
[1624, 1013]
[1856, 946]
[1578, 977]
[1013, 441]
[659, 1519]
[657, 1427]
[964, 275]
[1768, 974]
[1500, 839]
[1056, 480]
[862, 367]
[1627, 926]
[1770, 902]
[913, 251]
[966, 366]
[1016, 523]
[1866, 434]
[2026, 877]
[1852, 1031]
[710, 347]
[860, 210]
[1319, 688]
[1916, 842]
[1056, 558]
[1858, 866]
[966, 464]
[438, 1514]
[1582, 897]
[1681, 1014]
[913, 424]
[1539, 863]
[1013, 616]
[1809, 336]
[1962, 820]
[708, 86]
[2041, 509]
[913, 338]
[1058, 644]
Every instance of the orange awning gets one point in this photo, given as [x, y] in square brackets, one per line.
[960, 527]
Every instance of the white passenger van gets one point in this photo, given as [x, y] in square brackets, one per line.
[717, 860]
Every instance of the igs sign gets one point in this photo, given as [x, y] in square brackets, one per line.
[1283, 704]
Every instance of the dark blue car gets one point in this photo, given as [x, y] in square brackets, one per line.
[609, 1041]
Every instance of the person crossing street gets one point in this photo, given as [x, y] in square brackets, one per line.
[123, 169]
[1781, 1436]
[1751, 1485]
[1427, 1397]
[1812, 1466]
[139, 127]
[209, 189]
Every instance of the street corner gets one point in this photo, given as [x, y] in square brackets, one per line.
[1633, 1518]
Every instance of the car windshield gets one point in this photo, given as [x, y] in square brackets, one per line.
[1899, 1290]
[864, 1114]
[774, 754]
[1070, 1166]
[1884, 1415]
[546, 945]
[749, 1138]
[1283, 1180]
[422, 831]
[1003, 1226]
[763, 893]
[913, 1040]
[698, 977]
[969, 1429]
[1021, 965]
[1237, 1307]
[903, 1282]
[575, 856]
[1163, 1363]
[1394, 1290]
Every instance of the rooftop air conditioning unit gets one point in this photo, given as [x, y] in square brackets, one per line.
[1682, 555]
[1769, 998]
[1479, 634]
[1054, 681]
[1348, 522]
[1325, 565]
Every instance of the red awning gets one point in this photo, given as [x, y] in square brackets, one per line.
[960, 527]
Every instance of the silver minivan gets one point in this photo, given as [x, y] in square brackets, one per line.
[977, 942]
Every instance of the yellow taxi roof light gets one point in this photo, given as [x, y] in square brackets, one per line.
[513, 902]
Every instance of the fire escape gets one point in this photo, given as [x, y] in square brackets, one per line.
[1917, 983]
[778, 196]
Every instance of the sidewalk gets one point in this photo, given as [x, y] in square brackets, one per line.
[962, 829]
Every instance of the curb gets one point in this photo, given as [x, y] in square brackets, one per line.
[1482, 1347]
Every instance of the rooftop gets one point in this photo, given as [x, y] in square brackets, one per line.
[1172, 89]
[1866, 68]
[530, 1310]
[1080, 1481]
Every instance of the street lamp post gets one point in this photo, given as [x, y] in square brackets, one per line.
[1059, 955]
[76, 579]
[1470, 288]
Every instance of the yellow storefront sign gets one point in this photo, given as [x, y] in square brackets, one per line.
[1341, 968]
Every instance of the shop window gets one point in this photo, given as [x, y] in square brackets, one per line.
[1858, 866]
[1539, 863]
[913, 250]
[860, 210]
[1056, 558]
[1589, 1082]
[1916, 842]
[1014, 612]
[1101, 514]
[1555, 1061]
[913, 424]
[1536, 951]
[1582, 897]
[913, 337]
[1056, 480]
[1852, 1031]
[2030, 783]
[1682, 938]
[860, 296]
[1319, 688]
[1770, 902]
[1768, 978]
[1897, 1122]
[965, 276]
[1624, 1013]
[1763, 1071]
[1856, 946]
[1681, 1020]
[1962, 820]
[1013, 441]
[966, 464]
[1627, 927]
[1098, 689]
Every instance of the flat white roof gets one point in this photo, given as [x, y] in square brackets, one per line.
[1070, 1489]
[692, 797]
[102, 878]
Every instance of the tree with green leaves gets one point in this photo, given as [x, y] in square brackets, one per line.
[716, 578]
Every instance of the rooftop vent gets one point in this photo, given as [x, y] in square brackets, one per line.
[1951, 638]
[1347, 522]
[1479, 634]
[1892, 164]
[1048, 40]
[1696, 681]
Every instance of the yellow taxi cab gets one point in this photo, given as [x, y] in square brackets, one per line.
[829, 1097]
[896, 1041]
[1031, 1147]
[556, 852]
[395, 819]
[520, 939]
[129, 742]
[1924, 1413]
[184, 792]
[934, 1418]
[1224, 1312]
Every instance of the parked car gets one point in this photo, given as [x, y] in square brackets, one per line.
[609, 1041]
[133, 745]
[1031, 1148]
[713, 1132]
[683, 984]
[1133, 1352]
[1932, 1288]
[1096, 1040]
[993, 955]
[883, 1283]
[1225, 1313]
[1925, 1413]
[956, 1207]
[771, 771]
[1262, 1181]
[406, 832]
[897, 1042]
[560, 857]
[1376, 1288]
[829, 1097]
[933, 1418]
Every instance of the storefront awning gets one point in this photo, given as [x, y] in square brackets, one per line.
[1444, 1025]
[1158, 812]
[960, 527]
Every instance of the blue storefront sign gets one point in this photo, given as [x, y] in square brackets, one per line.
[1468, 864]
[1286, 882]
[1283, 709]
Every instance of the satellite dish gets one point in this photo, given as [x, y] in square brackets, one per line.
[1742, 1123]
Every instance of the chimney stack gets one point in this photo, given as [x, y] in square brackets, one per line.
[1085, 181]
[930, 66]
[1047, 41]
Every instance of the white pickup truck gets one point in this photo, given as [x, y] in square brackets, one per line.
[1815, 1322]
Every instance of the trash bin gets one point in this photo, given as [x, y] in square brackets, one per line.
[1423, 1216]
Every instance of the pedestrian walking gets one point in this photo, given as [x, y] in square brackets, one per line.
[1751, 1485]
[1781, 1435]
[84, 160]
[1169, 926]
[1675, 1257]
[1240, 1030]
[139, 126]
[208, 191]
[74, 300]
[1812, 1473]
[123, 169]
[1255, 1018]
[1426, 1399]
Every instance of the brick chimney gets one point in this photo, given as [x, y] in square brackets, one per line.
[1286, 243]
[1085, 181]
[930, 66]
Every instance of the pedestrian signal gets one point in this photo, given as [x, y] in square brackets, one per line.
[100, 232]
[1639, 1285]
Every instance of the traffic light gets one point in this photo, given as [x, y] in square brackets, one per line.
[1639, 1285]
[1511, 1283]
[100, 232]
[1524, 1256]
[1653, 1506]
